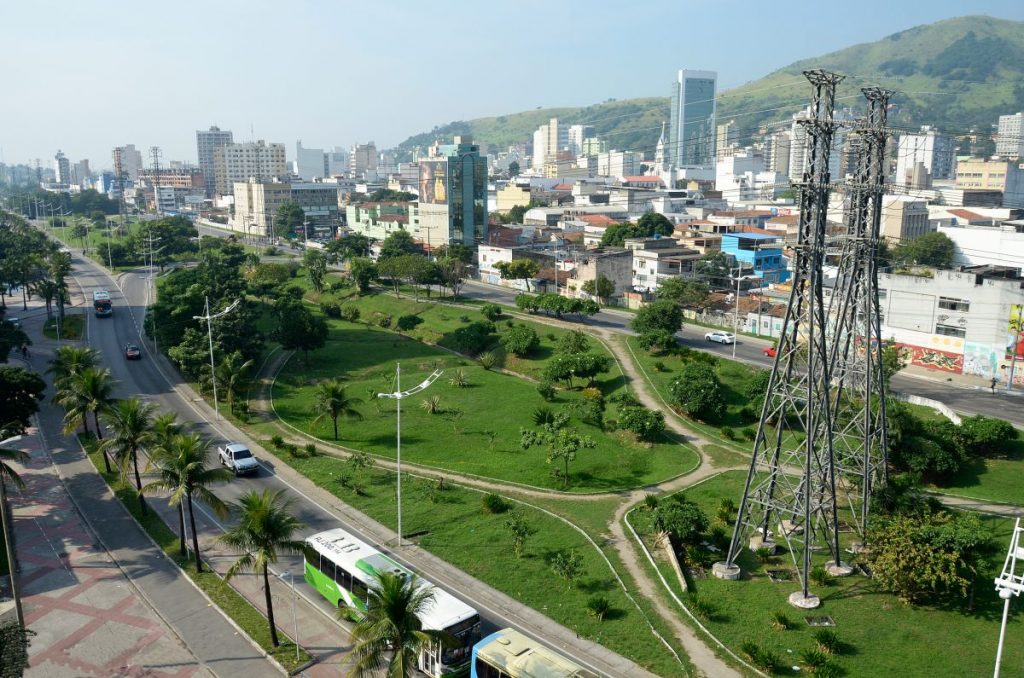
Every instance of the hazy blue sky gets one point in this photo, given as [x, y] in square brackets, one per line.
[86, 76]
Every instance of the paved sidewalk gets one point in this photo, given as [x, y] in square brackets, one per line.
[70, 512]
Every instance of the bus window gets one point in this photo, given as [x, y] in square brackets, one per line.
[343, 578]
[359, 590]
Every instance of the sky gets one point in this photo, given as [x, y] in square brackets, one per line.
[84, 77]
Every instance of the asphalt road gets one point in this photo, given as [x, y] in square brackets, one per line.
[145, 379]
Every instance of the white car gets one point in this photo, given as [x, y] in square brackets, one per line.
[721, 337]
[238, 458]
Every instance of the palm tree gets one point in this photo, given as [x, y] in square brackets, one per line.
[182, 465]
[392, 626]
[265, 526]
[46, 289]
[60, 267]
[232, 374]
[332, 402]
[69, 361]
[131, 429]
[89, 391]
[165, 427]
[6, 472]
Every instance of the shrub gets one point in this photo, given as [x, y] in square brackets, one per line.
[543, 415]
[593, 394]
[726, 510]
[766, 660]
[465, 319]
[820, 576]
[431, 404]
[644, 423]
[270, 251]
[682, 519]
[985, 436]
[458, 379]
[494, 503]
[339, 285]
[813, 658]
[781, 621]
[331, 308]
[827, 640]
[727, 432]
[701, 606]
[408, 322]
[764, 554]
[520, 340]
[551, 336]
[350, 313]
[491, 311]
[749, 433]
[598, 607]
[659, 366]
[487, 360]
[625, 399]
[546, 390]
[310, 449]
[650, 502]
[698, 392]
[473, 338]
[384, 320]
[657, 341]
[277, 442]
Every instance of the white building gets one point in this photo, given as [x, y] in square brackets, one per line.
[619, 163]
[362, 162]
[1010, 140]
[208, 142]
[309, 163]
[548, 140]
[993, 245]
[934, 150]
[62, 169]
[234, 163]
[130, 160]
[799, 151]
[576, 135]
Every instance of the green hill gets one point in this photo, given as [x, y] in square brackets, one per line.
[958, 74]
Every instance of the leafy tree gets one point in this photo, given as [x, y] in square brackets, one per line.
[714, 268]
[663, 315]
[457, 251]
[894, 359]
[233, 375]
[172, 237]
[288, 218]
[491, 311]
[20, 393]
[917, 557]
[331, 401]
[408, 322]
[473, 338]
[130, 423]
[515, 215]
[686, 293]
[316, 268]
[397, 244]
[648, 226]
[655, 224]
[986, 436]
[513, 169]
[565, 367]
[183, 470]
[756, 389]
[265, 527]
[516, 524]
[347, 248]
[520, 340]
[10, 337]
[646, 424]
[682, 519]
[657, 340]
[601, 287]
[562, 443]
[698, 392]
[572, 343]
[298, 329]
[390, 635]
[363, 272]
[453, 272]
[567, 566]
[932, 249]
[519, 269]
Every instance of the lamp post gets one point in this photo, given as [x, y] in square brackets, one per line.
[1009, 584]
[295, 616]
[736, 309]
[397, 396]
[8, 534]
[1016, 343]
[209, 333]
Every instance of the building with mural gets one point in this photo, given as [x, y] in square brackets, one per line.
[962, 322]
[452, 206]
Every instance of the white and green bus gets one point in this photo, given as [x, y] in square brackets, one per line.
[344, 570]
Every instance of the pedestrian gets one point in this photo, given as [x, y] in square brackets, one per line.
[24, 351]
[993, 385]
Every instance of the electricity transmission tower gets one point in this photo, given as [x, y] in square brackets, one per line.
[855, 336]
[790, 489]
[154, 154]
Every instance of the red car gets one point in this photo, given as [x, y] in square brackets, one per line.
[132, 352]
[769, 352]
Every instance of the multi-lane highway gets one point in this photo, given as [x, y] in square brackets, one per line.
[155, 383]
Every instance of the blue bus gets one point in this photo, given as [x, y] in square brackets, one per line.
[101, 303]
[510, 654]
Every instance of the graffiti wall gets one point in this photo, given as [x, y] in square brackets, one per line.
[982, 360]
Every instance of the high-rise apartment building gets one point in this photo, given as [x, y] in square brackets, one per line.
[453, 195]
[310, 163]
[576, 135]
[337, 161]
[1010, 141]
[691, 141]
[130, 160]
[362, 162]
[208, 143]
[930, 148]
[548, 140]
[727, 138]
[233, 163]
[62, 169]
[839, 154]
[80, 172]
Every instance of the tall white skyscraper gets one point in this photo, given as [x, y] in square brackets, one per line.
[930, 148]
[207, 144]
[310, 163]
[691, 141]
[1010, 142]
[62, 168]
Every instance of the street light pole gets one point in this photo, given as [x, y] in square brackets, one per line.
[1009, 584]
[397, 396]
[1016, 343]
[8, 533]
[209, 333]
[736, 311]
[295, 616]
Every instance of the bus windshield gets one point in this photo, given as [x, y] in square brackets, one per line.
[467, 633]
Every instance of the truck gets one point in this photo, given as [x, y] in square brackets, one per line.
[101, 303]
[237, 458]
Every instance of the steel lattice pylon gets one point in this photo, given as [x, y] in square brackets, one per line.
[791, 485]
[855, 341]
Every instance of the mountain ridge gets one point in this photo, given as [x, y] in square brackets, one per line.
[956, 74]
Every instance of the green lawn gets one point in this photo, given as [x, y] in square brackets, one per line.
[452, 525]
[71, 329]
[999, 478]
[477, 429]
[251, 620]
[882, 635]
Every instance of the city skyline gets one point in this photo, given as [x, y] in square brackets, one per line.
[314, 82]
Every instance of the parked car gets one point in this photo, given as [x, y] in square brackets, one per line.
[721, 337]
[16, 322]
[238, 458]
[769, 352]
[132, 352]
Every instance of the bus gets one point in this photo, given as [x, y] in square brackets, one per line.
[101, 303]
[341, 568]
[510, 654]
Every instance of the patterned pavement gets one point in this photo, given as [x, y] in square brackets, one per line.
[89, 619]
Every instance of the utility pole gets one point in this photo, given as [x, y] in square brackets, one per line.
[1016, 343]
[209, 333]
